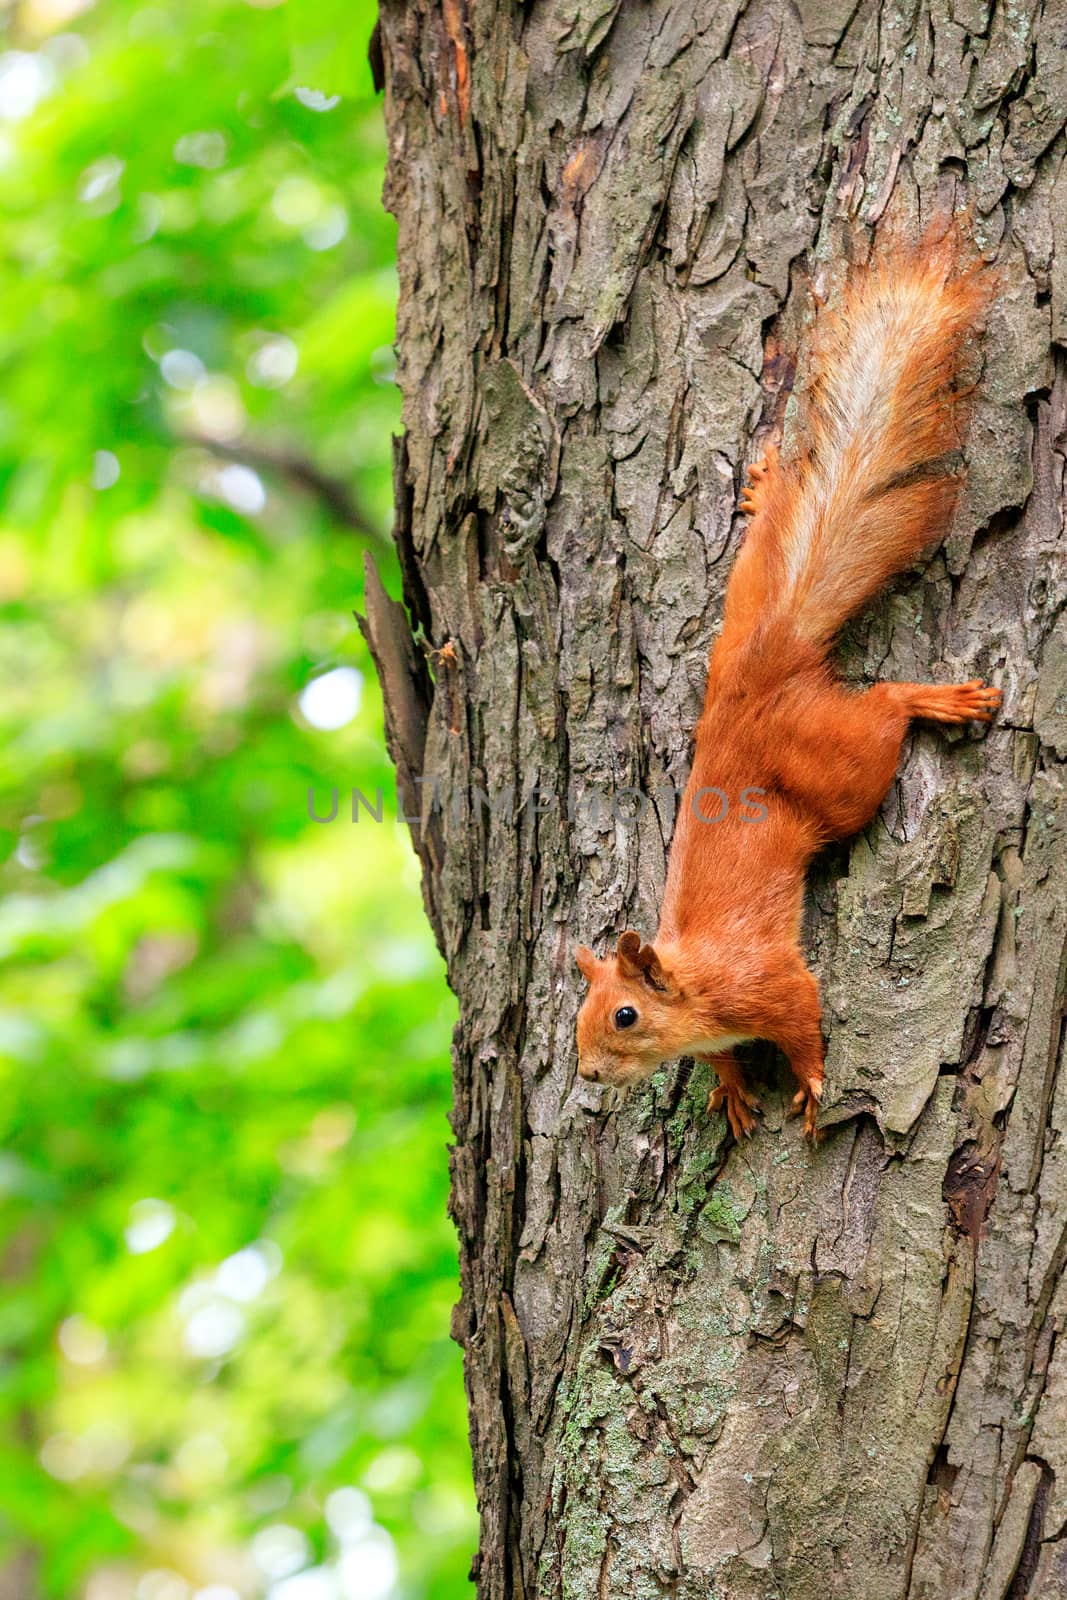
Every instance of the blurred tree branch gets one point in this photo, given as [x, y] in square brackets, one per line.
[286, 462]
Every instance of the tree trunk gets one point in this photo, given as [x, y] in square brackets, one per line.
[697, 1369]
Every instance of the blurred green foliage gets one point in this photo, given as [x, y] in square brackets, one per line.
[226, 1269]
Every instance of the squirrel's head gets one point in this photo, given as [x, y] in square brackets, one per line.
[633, 1016]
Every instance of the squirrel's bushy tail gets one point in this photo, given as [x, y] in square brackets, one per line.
[875, 480]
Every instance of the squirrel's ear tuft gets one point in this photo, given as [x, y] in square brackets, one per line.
[637, 960]
[586, 961]
[657, 975]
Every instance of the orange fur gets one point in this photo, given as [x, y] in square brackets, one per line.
[872, 485]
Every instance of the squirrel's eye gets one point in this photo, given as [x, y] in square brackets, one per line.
[625, 1017]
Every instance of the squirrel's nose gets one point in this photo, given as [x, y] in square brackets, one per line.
[587, 1071]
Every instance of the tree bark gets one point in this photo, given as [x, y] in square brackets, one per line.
[699, 1369]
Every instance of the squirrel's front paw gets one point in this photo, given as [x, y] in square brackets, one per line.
[807, 1100]
[741, 1108]
[754, 495]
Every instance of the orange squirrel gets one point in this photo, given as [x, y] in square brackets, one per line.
[870, 486]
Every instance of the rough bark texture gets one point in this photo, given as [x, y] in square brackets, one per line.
[697, 1369]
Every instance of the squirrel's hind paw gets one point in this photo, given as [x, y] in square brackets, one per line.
[958, 702]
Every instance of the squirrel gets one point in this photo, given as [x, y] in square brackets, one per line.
[872, 483]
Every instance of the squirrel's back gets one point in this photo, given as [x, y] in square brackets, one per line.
[878, 472]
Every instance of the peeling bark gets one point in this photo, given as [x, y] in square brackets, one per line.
[697, 1369]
